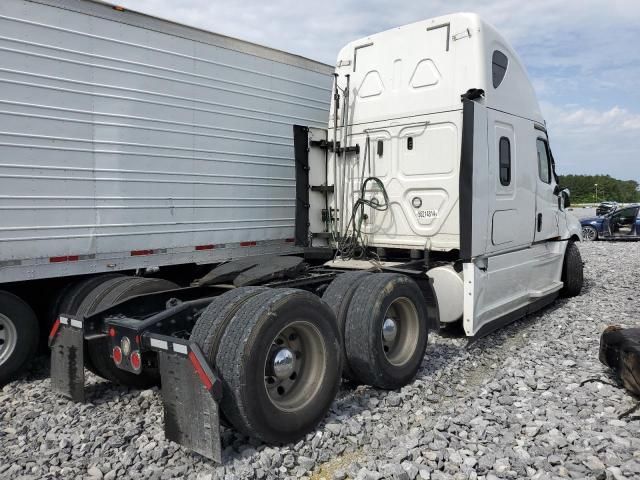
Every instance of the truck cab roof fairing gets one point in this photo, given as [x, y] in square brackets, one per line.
[429, 65]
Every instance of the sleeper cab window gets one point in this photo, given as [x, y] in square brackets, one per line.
[499, 64]
[505, 161]
[544, 167]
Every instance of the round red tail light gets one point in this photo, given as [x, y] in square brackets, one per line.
[117, 355]
[136, 361]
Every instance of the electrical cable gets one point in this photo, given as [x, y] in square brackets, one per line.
[353, 245]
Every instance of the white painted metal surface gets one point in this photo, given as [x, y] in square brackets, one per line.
[405, 87]
[128, 141]
[449, 287]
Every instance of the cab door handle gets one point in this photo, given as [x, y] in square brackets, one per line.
[539, 222]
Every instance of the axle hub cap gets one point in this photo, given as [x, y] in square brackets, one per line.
[389, 330]
[283, 363]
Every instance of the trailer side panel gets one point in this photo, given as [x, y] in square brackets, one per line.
[141, 142]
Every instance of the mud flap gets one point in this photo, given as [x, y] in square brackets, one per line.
[190, 391]
[66, 341]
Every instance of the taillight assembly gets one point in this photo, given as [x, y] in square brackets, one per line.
[117, 355]
[136, 360]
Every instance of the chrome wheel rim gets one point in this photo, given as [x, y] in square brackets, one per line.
[589, 233]
[294, 366]
[400, 331]
[8, 338]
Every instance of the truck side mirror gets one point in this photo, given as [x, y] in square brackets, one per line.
[566, 197]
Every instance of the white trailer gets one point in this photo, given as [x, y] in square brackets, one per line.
[433, 192]
[131, 142]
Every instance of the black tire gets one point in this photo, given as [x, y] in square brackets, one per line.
[589, 234]
[572, 271]
[19, 335]
[99, 353]
[214, 319]
[338, 296]
[249, 340]
[71, 296]
[377, 297]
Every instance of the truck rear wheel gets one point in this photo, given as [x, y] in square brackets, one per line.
[386, 330]
[105, 295]
[214, 319]
[71, 296]
[19, 333]
[572, 271]
[280, 361]
[338, 296]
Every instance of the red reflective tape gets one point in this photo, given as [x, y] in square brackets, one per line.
[54, 329]
[65, 258]
[248, 244]
[205, 247]
[206, 381]
[140, 253]
[290, 240]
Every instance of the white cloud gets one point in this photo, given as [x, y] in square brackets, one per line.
[616, 118]
[583, 56]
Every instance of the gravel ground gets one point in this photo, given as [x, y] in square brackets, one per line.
[510, 407]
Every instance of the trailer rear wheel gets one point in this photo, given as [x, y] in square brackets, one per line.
[572, 271]
[338, 296]
[386, 330]
[105, 295]
[280, 362]
[19, 332]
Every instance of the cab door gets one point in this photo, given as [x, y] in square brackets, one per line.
[546, 219]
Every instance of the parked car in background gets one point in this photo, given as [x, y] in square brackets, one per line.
[623, 223]
[606, 207]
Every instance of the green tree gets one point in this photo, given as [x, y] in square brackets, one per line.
[583, 188]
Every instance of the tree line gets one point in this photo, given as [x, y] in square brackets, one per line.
[583, 188]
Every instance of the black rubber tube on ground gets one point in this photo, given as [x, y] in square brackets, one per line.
[20, 323]
[363, 330]
[338, 296]
[572, 271]
[242, 362]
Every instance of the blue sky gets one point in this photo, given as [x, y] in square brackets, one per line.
[582, 55]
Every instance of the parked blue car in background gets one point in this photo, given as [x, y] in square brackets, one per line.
[621, 224]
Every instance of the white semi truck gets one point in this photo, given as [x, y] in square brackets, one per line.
[428, 197]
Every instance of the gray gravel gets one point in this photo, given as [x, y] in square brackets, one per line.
[511, 407]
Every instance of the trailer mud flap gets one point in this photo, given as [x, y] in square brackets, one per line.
[66, 341]
[190, 391]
